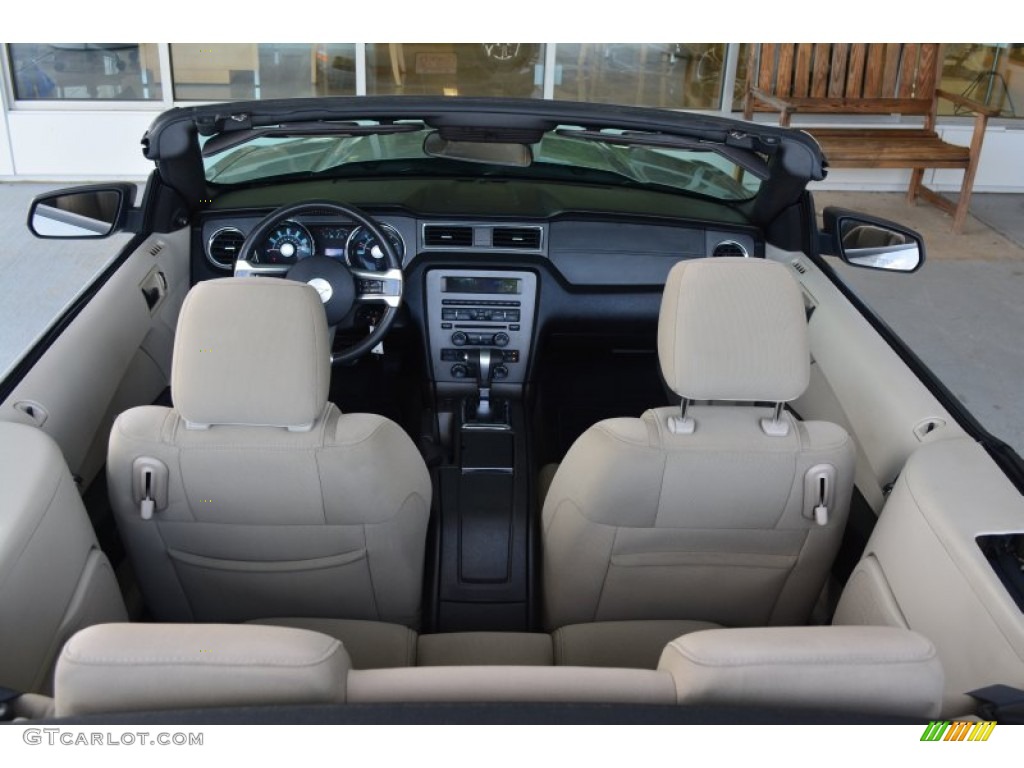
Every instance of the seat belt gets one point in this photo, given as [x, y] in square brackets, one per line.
[1002, 703]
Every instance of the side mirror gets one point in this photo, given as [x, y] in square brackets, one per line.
[866, 241]
[81, 212]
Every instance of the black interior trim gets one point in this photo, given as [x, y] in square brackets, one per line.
[519, 713]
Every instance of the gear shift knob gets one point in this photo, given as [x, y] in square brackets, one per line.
[484, 371]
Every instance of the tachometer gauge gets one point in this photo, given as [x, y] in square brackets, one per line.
[287, 244]
[363, 251]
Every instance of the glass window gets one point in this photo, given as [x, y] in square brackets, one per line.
[992, 73]
[671, 75]
[93, 71]
[228, 71]
[455, 69]
[565, 153]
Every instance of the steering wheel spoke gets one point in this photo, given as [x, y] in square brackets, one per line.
[378, 287]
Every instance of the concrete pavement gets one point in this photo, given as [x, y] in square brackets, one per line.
[963, 311]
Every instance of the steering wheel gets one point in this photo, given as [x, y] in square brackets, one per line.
[342, 289]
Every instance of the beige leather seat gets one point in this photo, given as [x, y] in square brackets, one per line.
[130, 667]
[704, 513]
[54, 579]
[254, 497]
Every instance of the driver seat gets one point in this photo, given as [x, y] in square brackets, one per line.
[254, 497]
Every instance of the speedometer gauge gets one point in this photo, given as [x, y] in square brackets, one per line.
[363, 251]
[287, 244]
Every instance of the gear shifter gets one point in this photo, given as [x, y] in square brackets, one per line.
[484, 372]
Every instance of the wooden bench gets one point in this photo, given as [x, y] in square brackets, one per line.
[869, 79]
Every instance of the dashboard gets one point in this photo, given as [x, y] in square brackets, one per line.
[487, 286]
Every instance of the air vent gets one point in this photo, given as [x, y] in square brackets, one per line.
[730, 248]
[224, 246]
[520, 238]
[440, 236]
[799, 266]
[155, 249]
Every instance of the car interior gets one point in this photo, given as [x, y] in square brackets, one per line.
[402, 439]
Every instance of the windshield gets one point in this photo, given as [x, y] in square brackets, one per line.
[555, 157]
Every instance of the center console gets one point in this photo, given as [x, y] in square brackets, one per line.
[480, 325]
[470, 312]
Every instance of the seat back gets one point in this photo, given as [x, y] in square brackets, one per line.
[707, 512]
[266, 500]
[54, 579]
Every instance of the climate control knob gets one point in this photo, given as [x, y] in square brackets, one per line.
[459, 339]
[501, 339]
[499, 372]
[460, 370]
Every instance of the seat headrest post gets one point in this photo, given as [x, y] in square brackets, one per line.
[682, 424]
[775, 426]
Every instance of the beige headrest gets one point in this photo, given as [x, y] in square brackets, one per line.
[129, 667]
[733, 329]
[251, 351]
[877, 670]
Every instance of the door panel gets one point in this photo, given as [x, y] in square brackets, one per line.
[114, 355]
[926, 559]
[859, 382]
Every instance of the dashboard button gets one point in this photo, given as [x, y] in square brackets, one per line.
[459, 338]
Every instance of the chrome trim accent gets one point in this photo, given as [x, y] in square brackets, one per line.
[484, 426]
[382, 225]
[300, 225]
[322, 287]
[244, 269]
[209, 246]
[743, 248]
[391, 278]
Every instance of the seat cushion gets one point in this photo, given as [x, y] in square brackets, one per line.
[506, 684]
[456, 649]
[880, 670]
[636, 644]
[370, 644]
[129, 667]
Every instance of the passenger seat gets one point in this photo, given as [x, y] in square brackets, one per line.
[729, 512]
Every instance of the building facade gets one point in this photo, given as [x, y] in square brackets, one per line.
[75, 111]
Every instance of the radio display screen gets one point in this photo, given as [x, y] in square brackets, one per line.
[501, 285]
